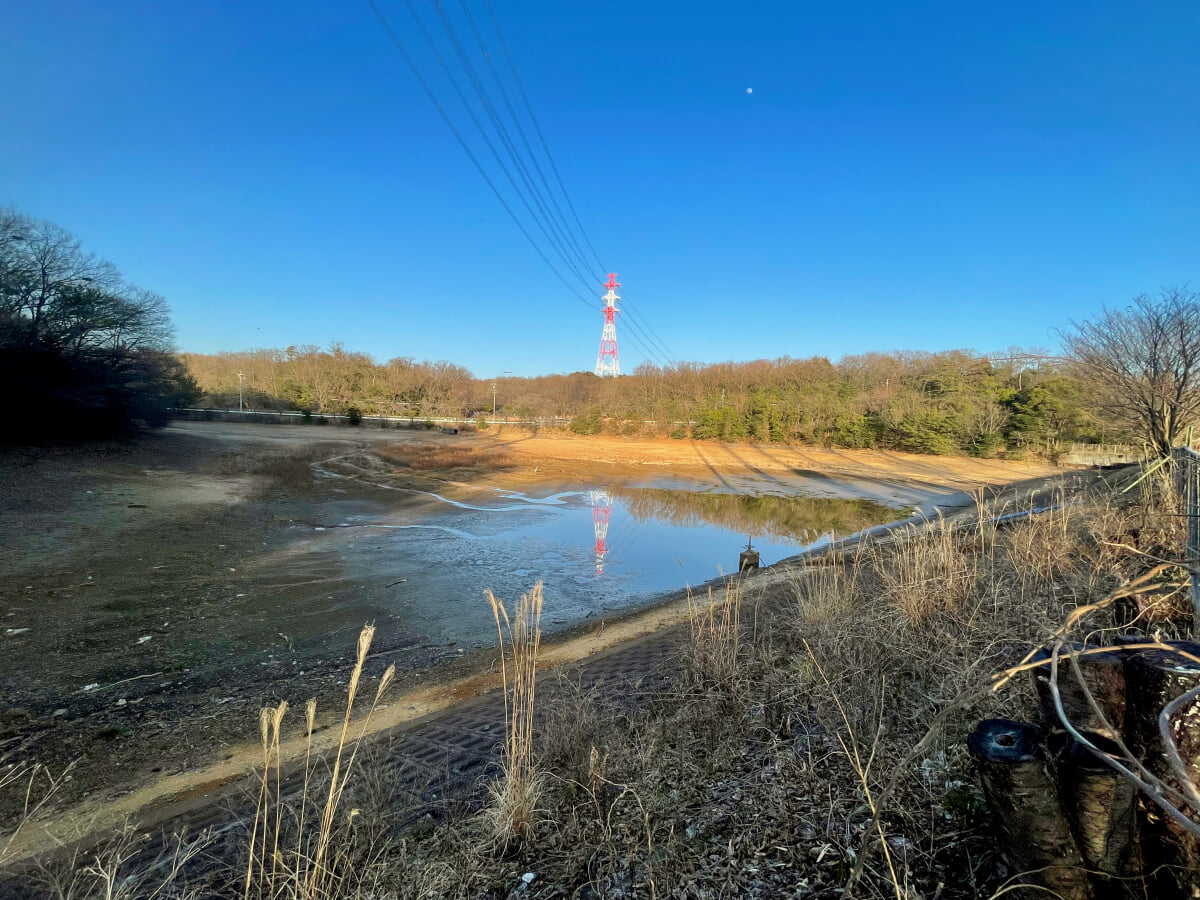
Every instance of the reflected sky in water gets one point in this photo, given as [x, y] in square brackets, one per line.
[656, 541]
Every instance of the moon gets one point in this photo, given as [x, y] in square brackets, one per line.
[749, 90]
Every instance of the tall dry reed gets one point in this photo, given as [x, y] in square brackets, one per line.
[925, 571]
[716, 636]
[827, 590]
[515, 795]
[312, 866]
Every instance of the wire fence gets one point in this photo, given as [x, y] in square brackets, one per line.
[1187, 482]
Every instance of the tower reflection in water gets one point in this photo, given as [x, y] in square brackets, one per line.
[601, 514]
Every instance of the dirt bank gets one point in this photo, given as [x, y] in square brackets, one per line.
[155, 593]
[880, 475]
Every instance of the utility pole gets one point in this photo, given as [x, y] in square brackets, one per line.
[506, 372]
[241, 403]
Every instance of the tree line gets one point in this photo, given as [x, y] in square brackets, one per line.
[82, 351]
[938, 403]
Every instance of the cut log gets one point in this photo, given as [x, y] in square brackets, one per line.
[1035, 839]
[1154, 678]
[1104, 674]
[1099, 806]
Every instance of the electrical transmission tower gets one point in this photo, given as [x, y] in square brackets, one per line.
[601, 514]
[607, 362]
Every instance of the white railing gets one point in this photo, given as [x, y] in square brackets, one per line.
[414, 421]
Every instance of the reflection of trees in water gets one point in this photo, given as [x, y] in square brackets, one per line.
[797, 518]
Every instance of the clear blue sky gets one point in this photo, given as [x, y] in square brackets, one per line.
[916, 175]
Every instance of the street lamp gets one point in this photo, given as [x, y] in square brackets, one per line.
[241, 404]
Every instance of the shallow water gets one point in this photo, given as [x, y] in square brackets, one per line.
[597, 551]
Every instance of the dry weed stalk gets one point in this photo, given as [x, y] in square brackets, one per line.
[862, 768]
[1041, 543]
[314, 868]
[716, 630]
[159, 879]
[824, 592]
[30, 774]
[520, 635]
[597, 783]
[926, 572]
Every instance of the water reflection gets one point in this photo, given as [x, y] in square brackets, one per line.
[597, 549]
[601, 514]
[793, 519]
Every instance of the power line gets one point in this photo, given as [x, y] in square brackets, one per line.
[553, 233]
[555, 229]
[652, 335]
[634, 332]
[466, 147]
[538, 128]
[487, 56]
[482, 131]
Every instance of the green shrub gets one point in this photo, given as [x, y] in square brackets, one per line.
[587, 423]
[986, 446]
[926, 432]
[353, 416]
[856, 432]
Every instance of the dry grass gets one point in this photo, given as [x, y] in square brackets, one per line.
[825, 592]
[814, 746]
[287, 857]
[716, 638]
[928, 571]
[515, 795]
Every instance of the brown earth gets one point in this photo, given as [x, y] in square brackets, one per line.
[156, 592]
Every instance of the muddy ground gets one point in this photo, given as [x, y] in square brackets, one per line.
[156, 592]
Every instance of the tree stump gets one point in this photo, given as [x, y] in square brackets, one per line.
[1099, 805]
[1035, 838]
[1104, 674]
[1154, 678]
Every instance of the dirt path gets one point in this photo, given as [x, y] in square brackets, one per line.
[172, 796]
[156, 593]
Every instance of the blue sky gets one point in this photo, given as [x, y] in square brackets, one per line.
[903, 176]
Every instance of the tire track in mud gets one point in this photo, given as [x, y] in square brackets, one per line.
[454, 728]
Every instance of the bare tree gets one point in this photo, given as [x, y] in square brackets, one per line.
[58, 297]
[81, 349]
[1144, 361]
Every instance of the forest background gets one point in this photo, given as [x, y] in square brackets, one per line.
[938, 403]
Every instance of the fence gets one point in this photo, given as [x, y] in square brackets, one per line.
[294, 416]
[1101, 454]
[1187, 481]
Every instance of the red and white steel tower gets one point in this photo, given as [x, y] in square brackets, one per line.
[607, 362]
[601, 514]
